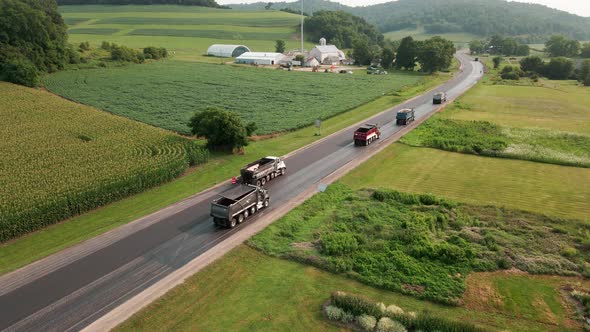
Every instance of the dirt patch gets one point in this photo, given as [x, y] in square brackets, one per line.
[547, 316]
[303, 245]
[418, 289]
[480, 294]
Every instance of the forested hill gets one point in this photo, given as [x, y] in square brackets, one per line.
[204, 3]
[482, 17]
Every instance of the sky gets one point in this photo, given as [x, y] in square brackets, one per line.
[578, 7]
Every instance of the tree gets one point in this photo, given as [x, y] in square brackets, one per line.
[509, 46]
[584, 74]
[20, 71]
[387, 57]
[361, 52]
[280, 46]
[532, 64]
[341, 29]
[558, 45]
[435, 54]
[476, 47]
[406, 54]
[585, 52]
[223, 130]
[267, 7]
[559, 68]
[497, 60]
[523, 50]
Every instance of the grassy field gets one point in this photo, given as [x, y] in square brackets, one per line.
[60, 159]
[187, 31]
[166, 94]
[461, 39]
[260, 293]
[543, 188]
[220, 168]
[555, 105]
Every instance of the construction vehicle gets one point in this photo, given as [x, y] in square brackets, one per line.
[236, 205]
[262, 171]
[405, 116]
[366, 134]
[439, 98]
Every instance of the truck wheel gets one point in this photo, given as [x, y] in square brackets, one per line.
[272, 175]
[246, 214]
[263, 181]
[233, 223]
[253, 210]
[240, 218]
[283, 171]
[266, 203]
[258, 183]
[268, 178]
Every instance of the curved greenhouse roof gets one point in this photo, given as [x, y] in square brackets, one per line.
[227, 51]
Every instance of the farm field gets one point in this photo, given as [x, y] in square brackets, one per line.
[40, 244]
[562, 106]
[60, 159]
[186, 31]
[460, 38]
[261, 293]
[543, 188]
[166, 94]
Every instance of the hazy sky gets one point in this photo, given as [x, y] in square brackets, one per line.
[579, 7]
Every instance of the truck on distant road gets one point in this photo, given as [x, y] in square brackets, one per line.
[366, 134]
[439, 98]
[405, 116]
[236, 205]
[262, 171]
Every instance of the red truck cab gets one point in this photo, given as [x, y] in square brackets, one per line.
[366, 134]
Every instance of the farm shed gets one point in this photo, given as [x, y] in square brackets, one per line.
[260, 58]
[327, 54]
[227, 51]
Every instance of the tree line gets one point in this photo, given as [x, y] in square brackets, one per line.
[499, 45]
[341, 29]
[203, 3]
[557, 68]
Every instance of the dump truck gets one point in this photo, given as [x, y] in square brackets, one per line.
[236, 205]
[439, 98]
[262, 171]
[405, 116]
[366, 134]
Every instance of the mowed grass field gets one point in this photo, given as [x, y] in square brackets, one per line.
[260, 293]
[556, 105]
[459, 38]
[60, 159]
[548, 189]
[166, 94]
[187, 31]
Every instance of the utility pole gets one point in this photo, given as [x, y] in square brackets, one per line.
[301, 26]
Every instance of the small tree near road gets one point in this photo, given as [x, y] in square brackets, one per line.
[223, 130]
[497, 60]
[280, 46]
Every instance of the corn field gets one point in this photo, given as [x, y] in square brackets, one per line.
[60, 159]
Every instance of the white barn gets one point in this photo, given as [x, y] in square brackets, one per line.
[260, 58]
[327, 54]
[227, 51]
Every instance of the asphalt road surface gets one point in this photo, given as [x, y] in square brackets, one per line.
[71, 295]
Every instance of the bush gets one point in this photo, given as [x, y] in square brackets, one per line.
[393, 310]
[347, 317]
[366, 322]
[355, 304]
[386, 324]
[20, 71]
[559, 68]
[339, 243]
[155, 53]
[125, 54]
[106, 46]
[84, 46]
[334, 313]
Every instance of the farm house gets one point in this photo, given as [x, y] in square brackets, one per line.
[327, 54]
[227, 51]
[260, 58]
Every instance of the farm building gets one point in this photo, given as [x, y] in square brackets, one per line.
[311, 62]
[260, 58]
[327, 54]
[227, 51]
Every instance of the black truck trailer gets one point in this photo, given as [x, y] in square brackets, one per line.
[236, 205]
[262, 171]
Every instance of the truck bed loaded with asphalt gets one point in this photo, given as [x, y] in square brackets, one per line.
[366, 134]
[405, 116]
[262, 171]
[236, 205]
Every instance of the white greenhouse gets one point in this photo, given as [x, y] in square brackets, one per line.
[227, 51]
[260, 58]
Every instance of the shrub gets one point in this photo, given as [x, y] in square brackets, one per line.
[354, 304]
[427, 322]
[569, 252]
[366, 322]
[84, 46]
[559, 68]
[497, 60]
[394, 310]
[347, 317]
[155, 53]
[125, 54]
[334, 313]
[106, 45]
[386, 324]
[381, 307]
[339, 243]
[21, 71]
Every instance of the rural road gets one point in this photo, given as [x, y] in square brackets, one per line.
[69, 290]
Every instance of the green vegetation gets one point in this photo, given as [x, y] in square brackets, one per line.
[61, 159]
[261, 293]
[341, 29]
[170, 92]
[561, 46]
[213, 34]
[94, 31]
[488, 139]
[205, 3]
[421, 34]
[220, 167]
[223, 130]
[479, 180]
[499, 45]
[418, 244]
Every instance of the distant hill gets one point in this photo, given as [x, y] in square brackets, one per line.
[529, 22]
[203, 3]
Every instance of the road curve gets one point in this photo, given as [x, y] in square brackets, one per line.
[69, 290]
